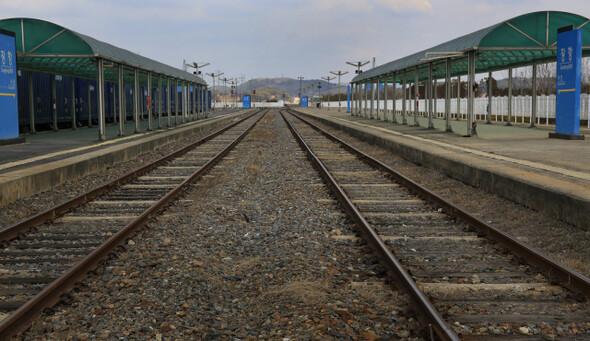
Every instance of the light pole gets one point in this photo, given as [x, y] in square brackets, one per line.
[225, 80]
[320, 93]
[300, 82]
[213, 75]
[195, 66]
[338, 73]
[328, 79]
[358, 66]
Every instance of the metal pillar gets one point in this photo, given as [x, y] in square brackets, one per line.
[366, 98]
[114, 92]
[31, 104]
[508, 123]
[176, 102]
[169, 102]
[136, 108]
[404, 100]
[100, 97]
[73, 103]
[89, 99]
[534, 98]
[430, 95]
[196, 104]
[385, 88]
[372, 85]
[122, 109]
[416, 98]
[470, 100]
[378, 90]
[458, 97]
[160, 98]
[394, 97]
[489, 111]
[435, 96]
[183, 101]
[53, 103]
[352, 98]
[448, 95]
[149, 106]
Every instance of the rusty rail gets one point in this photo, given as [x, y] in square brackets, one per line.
[11, 232]
[557, 272]
[22, 317]
[427, 313]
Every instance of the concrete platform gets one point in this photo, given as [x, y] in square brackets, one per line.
[51, 158]
[519, 163]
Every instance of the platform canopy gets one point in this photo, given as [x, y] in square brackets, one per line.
[524, 40]
[46, 47]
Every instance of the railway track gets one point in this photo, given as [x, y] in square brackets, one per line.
[45, 255]
[468, 280]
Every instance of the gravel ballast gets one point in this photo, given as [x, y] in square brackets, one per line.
[247, 253]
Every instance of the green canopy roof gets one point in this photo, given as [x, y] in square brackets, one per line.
[520, 41]
[46, 47]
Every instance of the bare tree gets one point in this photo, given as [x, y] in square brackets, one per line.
[546, 78]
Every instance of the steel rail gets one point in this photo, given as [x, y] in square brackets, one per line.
[557, 272]
[18, 229]
[50, 295]
[427, 313]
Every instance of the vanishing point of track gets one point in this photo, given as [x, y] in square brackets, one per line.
[467, 279]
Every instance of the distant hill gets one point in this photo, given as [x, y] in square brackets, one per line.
[289, 86]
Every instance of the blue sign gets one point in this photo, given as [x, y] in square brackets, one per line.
[304, 101]
[8, 88]
[348, 99]
[246, 102]
[569, 76]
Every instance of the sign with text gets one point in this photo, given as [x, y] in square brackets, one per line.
[246, 102]
[569, 76]
[304, 101]
[8, 88]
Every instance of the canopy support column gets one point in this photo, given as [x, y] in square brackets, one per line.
[176, 102]
[508, 122]
[101, 104]
[394, 97]
[31, 104]
[470, 100]
[458, 98]
[148, 103]
[448, 95]
[416, 97]
[89, 99]
[169, 101]
[430, 123]
[385, 88]
[160, 98]
[489, 111]
[194, 98]
[366, 98]
[534, 98]
[372, 86]
[404, 100]
[378, 90]
[73, 102]
[53, 102]
[136, 108]
[122, 110]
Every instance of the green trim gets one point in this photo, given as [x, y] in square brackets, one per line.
[524, 40]
[50, 48]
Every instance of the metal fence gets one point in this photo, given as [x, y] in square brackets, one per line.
[521, 108]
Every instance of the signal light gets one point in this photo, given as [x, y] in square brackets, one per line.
[254, 92]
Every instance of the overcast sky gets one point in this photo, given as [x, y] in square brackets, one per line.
[274, 38]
